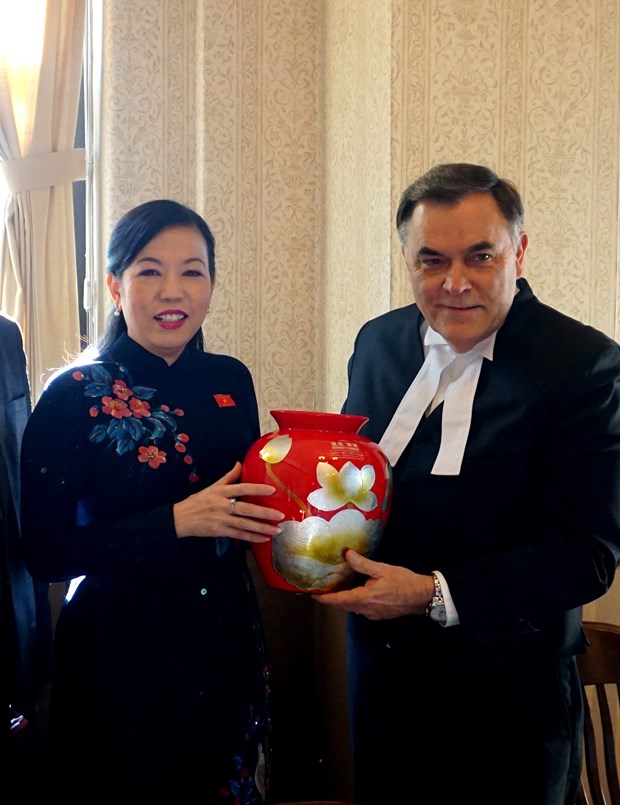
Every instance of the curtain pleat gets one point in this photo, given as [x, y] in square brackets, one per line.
[38, 280]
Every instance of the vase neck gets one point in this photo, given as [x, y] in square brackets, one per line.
[319, 420]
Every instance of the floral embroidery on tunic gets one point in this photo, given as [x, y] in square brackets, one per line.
[131, 423]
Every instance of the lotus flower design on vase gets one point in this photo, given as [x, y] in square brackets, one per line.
[310, 554]
[340, 487]
[331, 505]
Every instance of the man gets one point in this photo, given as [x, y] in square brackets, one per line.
[25, 622]
[505, 516]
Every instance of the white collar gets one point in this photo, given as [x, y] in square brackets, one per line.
[484, 347]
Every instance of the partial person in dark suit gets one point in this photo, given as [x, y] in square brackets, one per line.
[25, 624]
[501, 418]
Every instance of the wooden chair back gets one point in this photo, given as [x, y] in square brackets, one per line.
[599, 669]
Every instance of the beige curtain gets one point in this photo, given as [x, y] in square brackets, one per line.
[38, 276]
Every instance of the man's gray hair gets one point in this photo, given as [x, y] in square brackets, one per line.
[449, 183]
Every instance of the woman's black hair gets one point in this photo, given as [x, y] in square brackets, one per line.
[131, 234]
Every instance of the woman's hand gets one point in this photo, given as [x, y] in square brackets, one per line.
[217, 511]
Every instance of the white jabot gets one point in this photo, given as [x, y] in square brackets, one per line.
[456, 386]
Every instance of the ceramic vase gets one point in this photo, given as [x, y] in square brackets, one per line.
[334, 487]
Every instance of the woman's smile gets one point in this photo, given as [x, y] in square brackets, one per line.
[166, 291]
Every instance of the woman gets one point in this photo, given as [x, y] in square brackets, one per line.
[130, 478]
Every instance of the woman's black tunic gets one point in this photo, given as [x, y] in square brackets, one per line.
[160, 685]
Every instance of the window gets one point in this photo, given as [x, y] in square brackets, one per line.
[42, 80]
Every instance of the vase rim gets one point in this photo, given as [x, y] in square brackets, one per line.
[350, 420]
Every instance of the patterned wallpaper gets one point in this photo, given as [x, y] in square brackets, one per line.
[216, 104]
[294, 126]
[357, 145]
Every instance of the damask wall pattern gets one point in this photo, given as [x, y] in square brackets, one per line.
[531, 88]
[216, 104]
[357, 138]
[145, 126]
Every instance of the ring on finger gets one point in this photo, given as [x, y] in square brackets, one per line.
[233, 503]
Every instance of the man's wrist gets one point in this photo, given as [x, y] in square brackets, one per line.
[436, 609]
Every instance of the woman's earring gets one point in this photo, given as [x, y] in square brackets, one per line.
[117, 311]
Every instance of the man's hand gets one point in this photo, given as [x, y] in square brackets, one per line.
[389, 592]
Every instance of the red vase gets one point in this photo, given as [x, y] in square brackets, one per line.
[334, 487]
